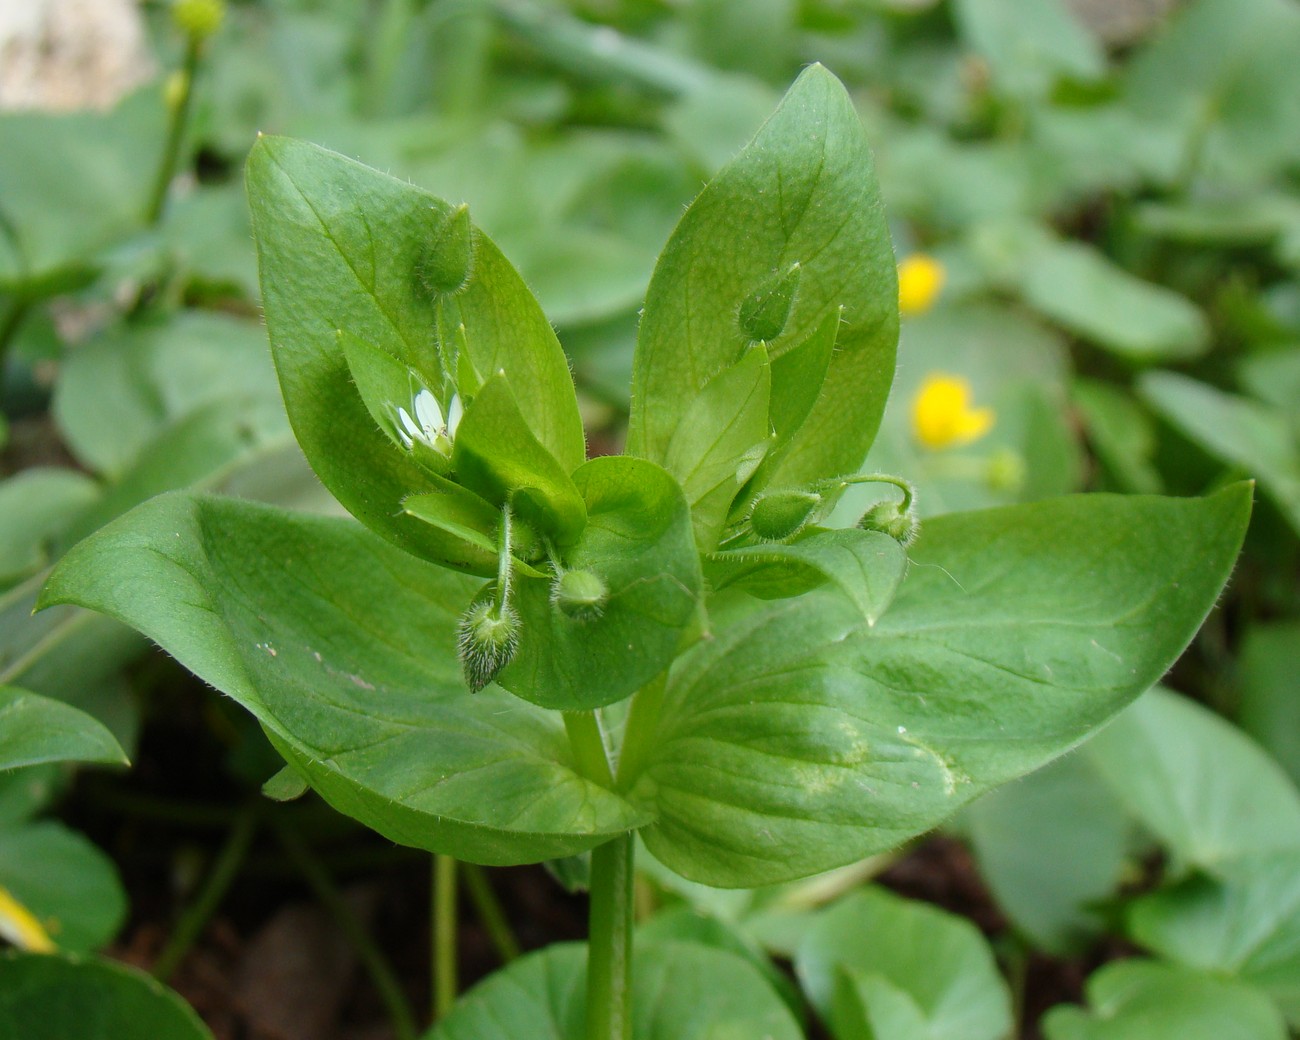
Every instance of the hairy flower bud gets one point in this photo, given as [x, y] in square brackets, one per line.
[891, 519]
[449, 256]
[764, 312]
[580, 594]
[486, 639]
[783, 514]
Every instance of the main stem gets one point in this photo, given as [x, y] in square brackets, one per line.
[445, 980]
[609, 938]
[609, 942]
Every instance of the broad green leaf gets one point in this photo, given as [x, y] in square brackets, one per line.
[720, 442]
[65, 881]
[497, 456]
[1121, 433]
[797, 378]
[35, 729]
[935, 961]
[122, 388]
[1270, 691]
[1085, 293]
[1049, 845]
[866, 566]
[1244, 922]
[343, 647]
[1030, 44]
[868, 1006]
[1146, 1000]
[1253, 436]
[201, 449]
[341, 247]
[683, 923]
[70, 185]
[44, 997]
[638, 541]
[1274, 376]
[1223, 76]
[679, 989]
[36, 506]
[803, 192]
[1196, 782]
[798, 738]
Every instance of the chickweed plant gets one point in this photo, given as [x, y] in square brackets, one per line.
[521, 654]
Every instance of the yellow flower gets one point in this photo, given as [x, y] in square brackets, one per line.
[920, 279]
[20, 927]
[942, 416]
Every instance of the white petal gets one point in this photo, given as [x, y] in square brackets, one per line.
[454, 412]
[412, 428]
[429, 414]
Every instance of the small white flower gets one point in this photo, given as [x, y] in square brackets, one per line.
[428, 426]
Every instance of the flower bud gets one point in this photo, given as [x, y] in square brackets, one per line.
[891, 519]
[783, 514]
[486, 639]
[580, 594]
[445, 265]
[765, 311]
[198, 19]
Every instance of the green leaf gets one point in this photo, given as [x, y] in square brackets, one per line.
[638, 541]
[1196, 782]
[35, 729]
[1256, 437]
[340, 246]
[866, 566]
[497, 456]
[1122, 434]
[1030, 44]
[934, 962]
[803, 192]
[117, 392]
[1049, 845]
[867, 1006]
[44, 997]
[720, 442]
[1145, 1000]
[679, 989]
[1268, 691]
[1085, 293]
[1222, 76]
[1244, 922]
[36, 506]
[798, 738]
[70, 185]
[343, 647]
[66, 882]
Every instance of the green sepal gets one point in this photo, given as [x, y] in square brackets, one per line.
[866, 566]
[721, 441]
[445, 267]
[638, 539]
[497, 456]
[764, 312]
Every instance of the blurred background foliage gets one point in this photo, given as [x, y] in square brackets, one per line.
[1096, 209]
